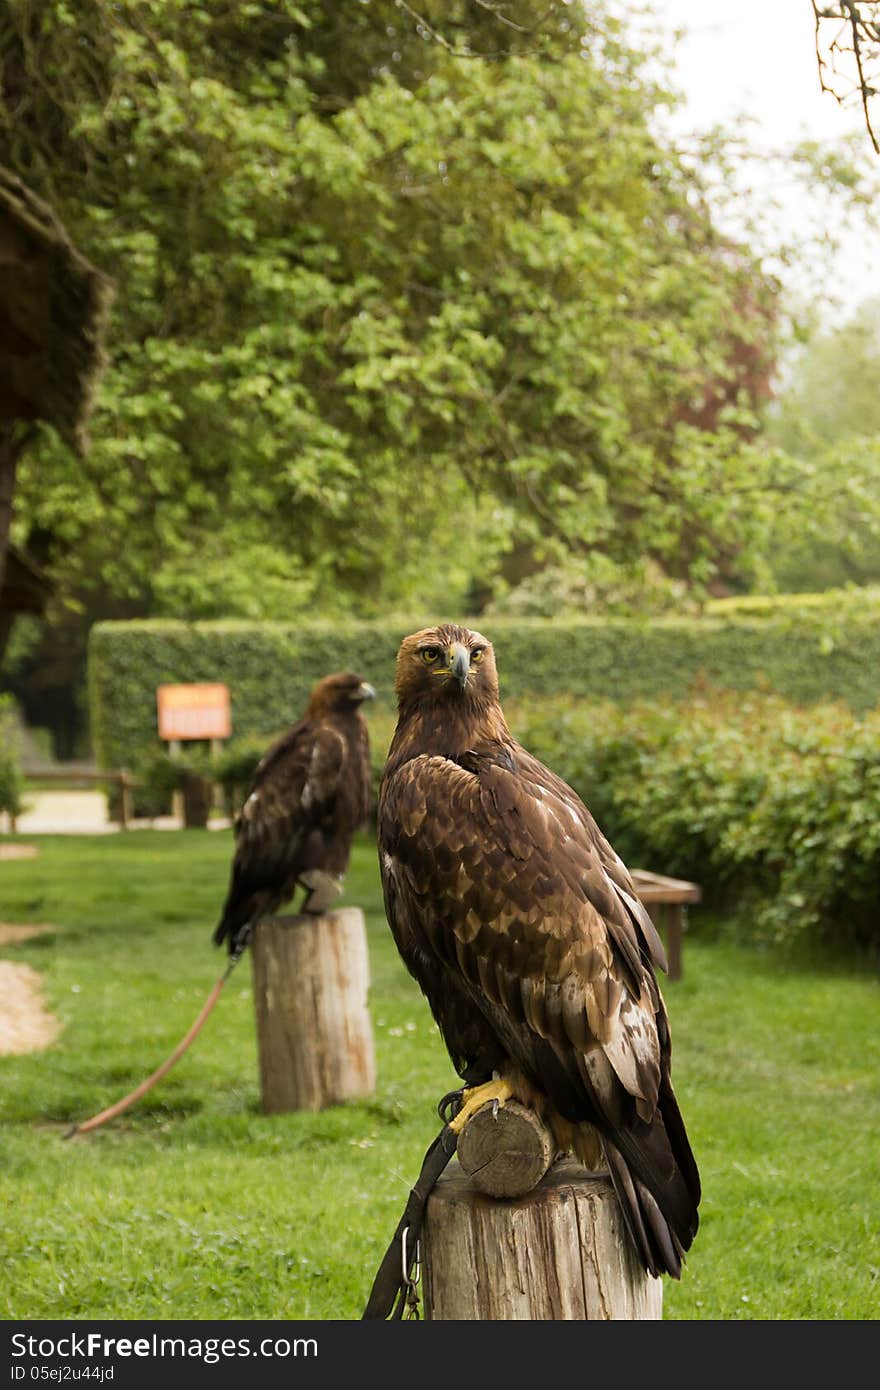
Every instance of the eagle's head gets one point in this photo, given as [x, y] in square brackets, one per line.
[339, 693]
[446, 663]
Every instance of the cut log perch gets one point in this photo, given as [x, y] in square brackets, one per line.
[506, 1153]
[559, 1253]
[314, 1035]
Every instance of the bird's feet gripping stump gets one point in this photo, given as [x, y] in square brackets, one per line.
[473, 1098]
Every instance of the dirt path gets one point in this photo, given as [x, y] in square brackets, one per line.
[25, 1023]
[11, 934]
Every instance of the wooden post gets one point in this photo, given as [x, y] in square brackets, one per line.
[217, 802]
[559, 1253]
[197, 793]
[126, 803]
[675, 924]
[315, 1039]
[177, 810]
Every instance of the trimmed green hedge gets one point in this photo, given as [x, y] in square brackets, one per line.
[269, 668]
[806, 655]
[773, 807]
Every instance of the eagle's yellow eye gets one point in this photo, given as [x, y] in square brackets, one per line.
[477, 653]
[430, 655]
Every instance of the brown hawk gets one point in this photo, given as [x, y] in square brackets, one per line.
[523, 928]
[310, 793]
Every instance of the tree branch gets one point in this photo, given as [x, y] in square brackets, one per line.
[857, 38]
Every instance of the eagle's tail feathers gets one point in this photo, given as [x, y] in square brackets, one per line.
[239, 915]
[676, 1135]
[655, 1175]
[630, 1207]
[655, 1241]
[663, 1234]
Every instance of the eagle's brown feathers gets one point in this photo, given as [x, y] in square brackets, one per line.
[523, 928]
[310, 792]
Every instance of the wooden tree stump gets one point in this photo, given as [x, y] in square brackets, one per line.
[314, 1035]
[559, 1253]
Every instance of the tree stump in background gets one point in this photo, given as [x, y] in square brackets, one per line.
[561, 1252]
[314, 1034]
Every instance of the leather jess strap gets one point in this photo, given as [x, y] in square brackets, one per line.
[388, 1296]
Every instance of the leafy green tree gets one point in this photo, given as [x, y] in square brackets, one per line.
[379, 340]
[828, 417]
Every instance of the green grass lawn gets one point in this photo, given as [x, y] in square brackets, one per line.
[195, 1205]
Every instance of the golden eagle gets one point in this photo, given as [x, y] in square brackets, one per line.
[523, 928]
[310, 792]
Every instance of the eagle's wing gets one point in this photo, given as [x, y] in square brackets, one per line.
[549, 788]
[525, 909]
[496, 873]
[294, 788]
[294, 782]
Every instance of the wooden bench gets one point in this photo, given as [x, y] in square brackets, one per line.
[666, 900]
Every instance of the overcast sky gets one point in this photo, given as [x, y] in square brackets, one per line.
[751, 65]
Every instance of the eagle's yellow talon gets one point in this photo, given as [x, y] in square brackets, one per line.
[496, 1091]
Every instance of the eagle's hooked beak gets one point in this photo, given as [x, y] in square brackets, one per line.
[459, 663]
[365, 691]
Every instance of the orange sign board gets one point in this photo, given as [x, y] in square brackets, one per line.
[193, 711]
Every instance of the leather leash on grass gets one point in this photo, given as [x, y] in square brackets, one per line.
[147, 1085]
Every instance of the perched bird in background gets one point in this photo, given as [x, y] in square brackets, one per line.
[523, 928]
[310, 793]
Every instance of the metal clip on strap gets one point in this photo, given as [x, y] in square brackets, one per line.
[411, 1274]
[395, 1286]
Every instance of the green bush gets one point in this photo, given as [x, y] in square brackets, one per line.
[159, 779]
[773, 809]
[11, 777]
[164, 774]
